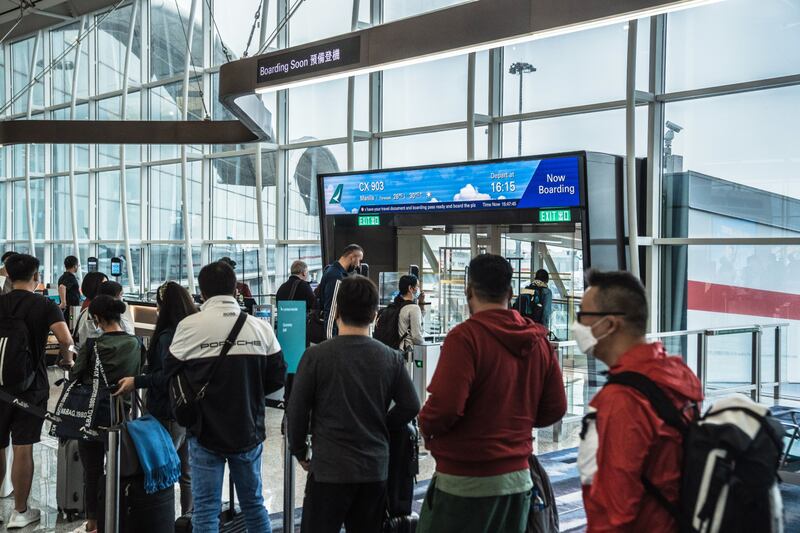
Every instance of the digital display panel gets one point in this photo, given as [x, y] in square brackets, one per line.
[520, 184]
[310, 59]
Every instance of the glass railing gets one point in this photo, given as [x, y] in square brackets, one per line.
[751, 360]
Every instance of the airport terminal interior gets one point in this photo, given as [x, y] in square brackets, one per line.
[654, 137]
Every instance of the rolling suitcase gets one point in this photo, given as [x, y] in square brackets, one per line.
[139, 511]
[231, 519]
[69, 481]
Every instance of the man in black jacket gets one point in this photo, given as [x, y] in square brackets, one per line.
[341, 394]
[231, 421]
[297, 287]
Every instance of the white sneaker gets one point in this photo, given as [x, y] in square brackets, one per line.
[18, 520]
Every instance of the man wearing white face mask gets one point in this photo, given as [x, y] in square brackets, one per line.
[624, 441]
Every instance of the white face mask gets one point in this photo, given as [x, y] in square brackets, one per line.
[584, 336]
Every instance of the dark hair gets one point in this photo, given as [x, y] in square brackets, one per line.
[70, 262]
[107, 308]
[490, 278]
[7, 255]
[217, 279]
[21, 267]
[406, 282]
[351, 248]
[175, 303]
[110, 288]
[620, 291]
[357, 301]
[90, 286]
[542, 275]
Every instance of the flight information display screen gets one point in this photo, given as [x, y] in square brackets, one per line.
[520, 184]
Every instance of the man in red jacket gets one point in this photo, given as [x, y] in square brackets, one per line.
[496, 380]
[625, 440]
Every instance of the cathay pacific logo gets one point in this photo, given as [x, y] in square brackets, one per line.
[337, 195]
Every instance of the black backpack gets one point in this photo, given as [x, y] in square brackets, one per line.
[532, 305]
[388, 325]
[17, 369]
[729, 479]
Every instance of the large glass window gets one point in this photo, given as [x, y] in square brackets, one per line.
[112, 41]
[109, 214]
[572, 69]
[60, 153]
[431, 148]
[732, 41]
[21, 53]
[428, 93]
[599, 132]
[105, 252]
[166, 201]
[169, 26]
[21, 212]
[397, 9]
[317, 19]
[62, 210]
[233, 201]
[64, 71]
[168, 263]
[233, 19]
[318, 111]
[109, 109]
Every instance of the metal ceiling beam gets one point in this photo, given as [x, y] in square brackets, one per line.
[124, 132]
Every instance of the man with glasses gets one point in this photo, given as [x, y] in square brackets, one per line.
[627, 452]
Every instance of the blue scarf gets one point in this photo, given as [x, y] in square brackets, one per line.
[157, 454]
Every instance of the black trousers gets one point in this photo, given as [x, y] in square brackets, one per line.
[93, 456]
[361, 507]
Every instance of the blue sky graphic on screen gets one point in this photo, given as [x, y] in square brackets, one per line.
[502, 185]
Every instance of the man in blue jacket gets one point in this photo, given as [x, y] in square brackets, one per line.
[350, 260]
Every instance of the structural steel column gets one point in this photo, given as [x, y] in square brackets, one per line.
[123, 174]
[471, 107]
[262, 241]
[73, 193]
[28, 203]
[187, 232]
[351, 97]
[630, 150]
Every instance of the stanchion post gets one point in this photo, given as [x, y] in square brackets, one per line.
[288, 483]
[112, 482]
[702, 361]
[755, 364]
[778, 374]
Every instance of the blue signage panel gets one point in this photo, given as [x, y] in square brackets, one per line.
[532, 183]
[291, 332]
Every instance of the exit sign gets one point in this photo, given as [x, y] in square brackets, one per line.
[369, 220]
[555, 215]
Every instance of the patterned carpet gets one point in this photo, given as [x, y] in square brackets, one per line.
[560, 467]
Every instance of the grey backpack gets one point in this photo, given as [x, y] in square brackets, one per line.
[543, 516]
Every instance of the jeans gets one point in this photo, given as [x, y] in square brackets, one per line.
[93, 455]
[208, 469]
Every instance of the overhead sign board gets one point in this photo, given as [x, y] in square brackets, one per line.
[515, 184]
[311, 59]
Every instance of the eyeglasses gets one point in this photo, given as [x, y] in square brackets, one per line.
[581, 314]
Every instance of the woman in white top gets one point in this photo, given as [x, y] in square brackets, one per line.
[410, 318]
